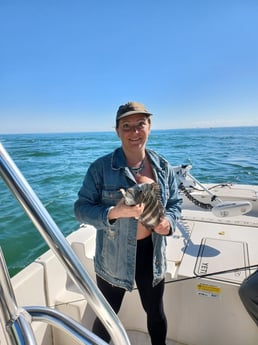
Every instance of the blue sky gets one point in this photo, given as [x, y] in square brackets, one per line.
[67, 65]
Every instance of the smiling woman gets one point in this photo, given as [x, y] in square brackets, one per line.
[125, 246]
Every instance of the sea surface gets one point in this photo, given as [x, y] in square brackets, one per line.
[55, 164]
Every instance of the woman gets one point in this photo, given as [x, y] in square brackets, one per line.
[126, 251]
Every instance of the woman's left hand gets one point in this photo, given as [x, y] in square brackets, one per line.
[163, 228]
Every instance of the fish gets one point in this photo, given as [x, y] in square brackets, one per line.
[149, 195]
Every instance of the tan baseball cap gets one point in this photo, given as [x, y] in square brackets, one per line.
[131, 108]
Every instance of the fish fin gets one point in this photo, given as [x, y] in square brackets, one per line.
[157, 191]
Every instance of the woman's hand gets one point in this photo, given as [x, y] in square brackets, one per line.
[163, 228]
[121, 210]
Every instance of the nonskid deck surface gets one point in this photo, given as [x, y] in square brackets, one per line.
[141, 338]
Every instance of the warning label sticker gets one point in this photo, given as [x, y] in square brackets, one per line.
[208, 290]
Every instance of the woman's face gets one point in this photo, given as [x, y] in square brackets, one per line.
[133, 131]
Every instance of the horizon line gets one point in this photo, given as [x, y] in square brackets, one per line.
[111, 131]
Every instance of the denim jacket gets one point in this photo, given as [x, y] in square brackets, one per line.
[115, 256]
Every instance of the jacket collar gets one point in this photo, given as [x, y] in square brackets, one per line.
[118, 160]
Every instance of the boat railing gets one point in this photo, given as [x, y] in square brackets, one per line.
[63, 251]
[18, 320]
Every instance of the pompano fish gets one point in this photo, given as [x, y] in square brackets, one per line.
[149, 194]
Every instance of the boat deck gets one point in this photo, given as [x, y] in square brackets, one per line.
[141, 338]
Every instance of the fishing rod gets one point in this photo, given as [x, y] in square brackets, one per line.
[207, 275]
[197, 276]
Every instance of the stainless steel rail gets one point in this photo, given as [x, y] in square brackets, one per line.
[17, 321]
[69, 326]
[60, 246]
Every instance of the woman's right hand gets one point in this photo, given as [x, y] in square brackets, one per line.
[121, 210]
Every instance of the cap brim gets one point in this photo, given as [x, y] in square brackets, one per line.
[133, 113]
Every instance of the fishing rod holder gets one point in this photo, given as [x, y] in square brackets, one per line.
[220, 208]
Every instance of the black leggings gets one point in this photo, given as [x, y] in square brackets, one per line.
[151, 297]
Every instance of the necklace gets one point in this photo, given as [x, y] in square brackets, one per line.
[136, 171]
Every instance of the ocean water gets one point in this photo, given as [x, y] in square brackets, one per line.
[55, 164]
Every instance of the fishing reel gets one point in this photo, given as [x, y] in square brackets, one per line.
[187, 183]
